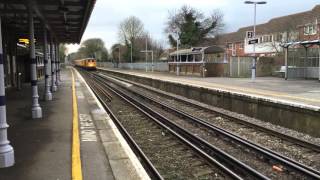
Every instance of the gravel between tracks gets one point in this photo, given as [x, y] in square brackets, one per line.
[240, 152]
[300, 154]
[172, 158]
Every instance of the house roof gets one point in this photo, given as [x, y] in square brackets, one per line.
[278, 24]
[66, 20]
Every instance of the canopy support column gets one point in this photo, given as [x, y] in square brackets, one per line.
[48, 94]
[57, 64]
[36, 109]
[53, 68]
[6, 150]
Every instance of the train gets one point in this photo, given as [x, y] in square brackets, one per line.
[87, 63]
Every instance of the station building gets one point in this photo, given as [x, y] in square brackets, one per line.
[45, 24]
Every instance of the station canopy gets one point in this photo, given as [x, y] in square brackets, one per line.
[66, 20]
[303, 43]
[199, 50]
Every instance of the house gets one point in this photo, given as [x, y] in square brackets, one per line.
[294, 27]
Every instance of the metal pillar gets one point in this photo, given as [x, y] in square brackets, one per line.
[36, 109]
[47, 94]
[59, 67]
[57, 64]
[53, 68]
[131, 57]
[146, 54]
[319, 60]
[286, 62]
[305, 63]
[6, 150]
[177, 64]
[253, 68]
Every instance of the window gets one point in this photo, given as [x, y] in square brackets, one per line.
[241, 45]
[267, 38]
[310, 29]
[278, 37]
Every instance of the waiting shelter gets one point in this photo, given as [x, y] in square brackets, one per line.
[198, 61]
[306, 65]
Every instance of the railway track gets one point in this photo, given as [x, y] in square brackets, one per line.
[163, 152]
[293, 169]
[301, 150]
[218, 113]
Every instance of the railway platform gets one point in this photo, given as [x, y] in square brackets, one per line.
[54, 148]
[292, 91]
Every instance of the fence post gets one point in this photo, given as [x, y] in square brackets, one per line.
[319, 61]
[230, 66]
[286, 62]
[238, 66]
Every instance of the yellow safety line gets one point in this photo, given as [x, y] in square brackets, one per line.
[76, 159]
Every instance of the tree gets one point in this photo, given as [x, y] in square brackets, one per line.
[115, 52]
[286, 32]
[130, 30]
[93, 48]
[190, 26]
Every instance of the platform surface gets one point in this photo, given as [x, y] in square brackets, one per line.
[43, 146]
[295, 91]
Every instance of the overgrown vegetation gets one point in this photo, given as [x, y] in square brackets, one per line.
[191, 27]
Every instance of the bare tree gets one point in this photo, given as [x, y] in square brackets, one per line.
[130, 30]
[286, 32]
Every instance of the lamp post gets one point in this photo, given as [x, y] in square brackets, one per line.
[178, 58]
[131, 57]
[146, 51]
[253, 69]
[119, 55]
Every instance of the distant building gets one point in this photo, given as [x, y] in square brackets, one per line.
[295, 27]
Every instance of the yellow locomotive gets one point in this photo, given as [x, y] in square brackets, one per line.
[87, 63]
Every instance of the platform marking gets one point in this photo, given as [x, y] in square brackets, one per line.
[76, 159]
[87, 128]
[133, 158]
[80, 95]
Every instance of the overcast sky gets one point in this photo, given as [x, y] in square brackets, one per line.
[107, 15]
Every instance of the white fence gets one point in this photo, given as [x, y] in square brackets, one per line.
[159, 66]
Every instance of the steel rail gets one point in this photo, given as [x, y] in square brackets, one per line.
[286, 137]
[152, 171]
[267, 152]
[210, 149]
